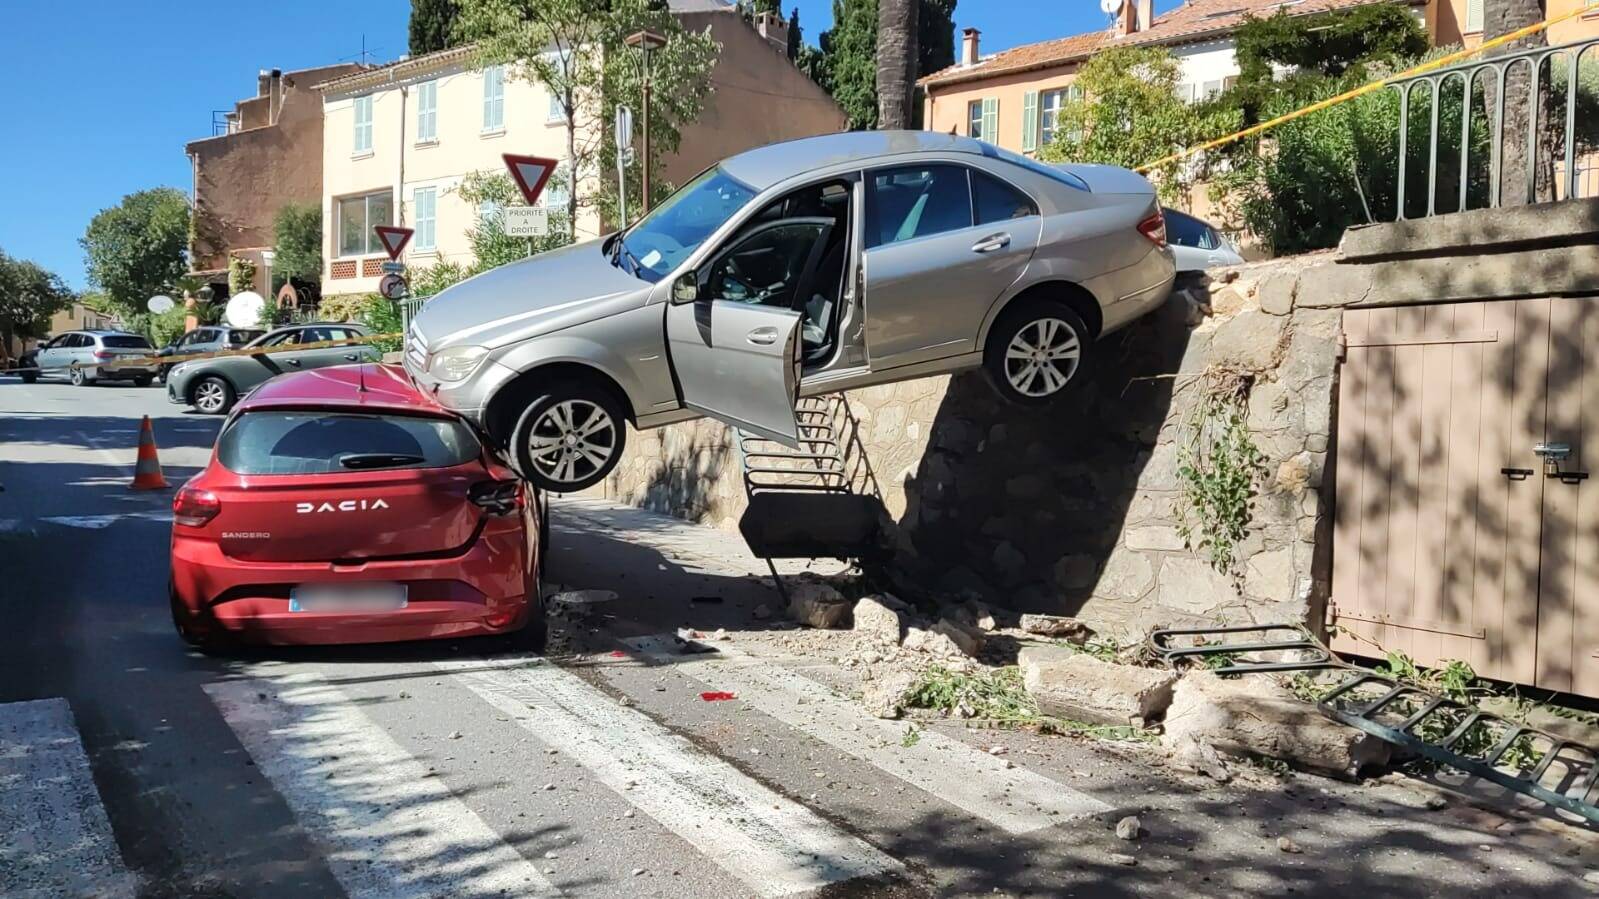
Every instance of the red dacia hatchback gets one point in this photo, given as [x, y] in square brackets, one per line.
[342, 505]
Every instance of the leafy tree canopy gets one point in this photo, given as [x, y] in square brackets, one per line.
[29, 295]
[297, 241]
[138, 248]
[432, 25]
[847, 63]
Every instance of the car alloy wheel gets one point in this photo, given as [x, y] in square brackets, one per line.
[571, 442]
[75, 375]
[211, 396]
[1043, 356]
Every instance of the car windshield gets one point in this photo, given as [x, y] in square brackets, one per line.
[665, 237]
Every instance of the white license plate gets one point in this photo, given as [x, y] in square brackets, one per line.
[372, 596]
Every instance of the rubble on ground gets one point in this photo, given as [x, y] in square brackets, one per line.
[1057, 626]
[1258, 717]
[818, 605]
[1071, 684]
[885, 696]
[878, 618]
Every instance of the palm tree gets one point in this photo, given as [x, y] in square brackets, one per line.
[896, 61]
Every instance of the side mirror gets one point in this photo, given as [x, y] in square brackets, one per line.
[686, 289]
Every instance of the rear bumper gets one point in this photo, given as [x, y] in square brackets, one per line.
[482, 591]
[119, 373]
[1128, 293]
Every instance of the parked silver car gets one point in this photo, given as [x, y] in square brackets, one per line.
[80, 355]
[212, 386]
[207, 339]
[805, 267]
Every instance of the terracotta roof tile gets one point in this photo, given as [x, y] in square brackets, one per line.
[1191, 21]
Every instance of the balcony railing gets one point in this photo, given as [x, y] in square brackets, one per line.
[1534, 115]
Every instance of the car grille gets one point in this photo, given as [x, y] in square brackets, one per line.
[416, 354]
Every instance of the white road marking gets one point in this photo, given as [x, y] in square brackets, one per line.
[388, 829]
[774, 845]
[55, 838]
[1012, 798]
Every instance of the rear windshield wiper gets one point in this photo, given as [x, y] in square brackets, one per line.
[379, 460]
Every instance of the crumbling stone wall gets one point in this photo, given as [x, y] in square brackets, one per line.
[1074, 508]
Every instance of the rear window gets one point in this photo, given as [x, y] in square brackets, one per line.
[242, 337]
[125, 342]
[319, 443]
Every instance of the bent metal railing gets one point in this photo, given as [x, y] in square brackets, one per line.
[1549, 73]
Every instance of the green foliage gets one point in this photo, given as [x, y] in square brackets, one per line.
[796, 35]
[998, 696]
[297, 241]
[241, 274]
[164, 327]
[912, 736]
[29, 296]
[432, 25]
[1130, 115]
[1218, 468]
[1329, 43]
[846, 63]
[383, 317]
[935, 36]
[1457, 681]
[341, 307]
[428, 281]
[491, 246]
[137, 249]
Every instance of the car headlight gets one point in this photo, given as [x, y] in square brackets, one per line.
[178, 370]
[456, 363]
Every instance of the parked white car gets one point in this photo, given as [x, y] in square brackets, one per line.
[1196, 244]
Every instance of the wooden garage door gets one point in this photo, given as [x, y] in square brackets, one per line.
[1437, 552]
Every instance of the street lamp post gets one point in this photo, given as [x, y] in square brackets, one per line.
[645, 41]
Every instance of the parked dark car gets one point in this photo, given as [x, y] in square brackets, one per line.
[212, 386]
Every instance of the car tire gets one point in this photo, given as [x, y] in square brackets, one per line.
[208, 644]
[30, 377]
[78, 377]
[143, 381]
[1037, 352]
[212, 395]
[580, 431]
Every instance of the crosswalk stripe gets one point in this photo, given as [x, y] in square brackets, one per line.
[1012, 798]
[386, 826]
[774, 845]
[57, 840]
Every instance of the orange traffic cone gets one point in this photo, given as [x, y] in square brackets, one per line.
[147, 471]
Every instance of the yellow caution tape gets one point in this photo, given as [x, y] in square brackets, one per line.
[132, 361]
[1364, 89]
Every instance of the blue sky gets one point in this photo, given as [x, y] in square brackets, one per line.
[102, 96]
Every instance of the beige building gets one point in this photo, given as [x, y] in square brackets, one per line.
[399, 139]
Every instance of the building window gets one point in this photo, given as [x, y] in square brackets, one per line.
[974, 119]
[357, 216]
[488, 214]
[427, 112]
[494, 98]
[363, 124]
[1049, 107]
[558, 189]
[425, 209]
[1473, 16]
[557, 112]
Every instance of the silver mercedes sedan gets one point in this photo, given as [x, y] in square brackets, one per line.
[799, 268]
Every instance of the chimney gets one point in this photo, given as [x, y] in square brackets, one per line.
[774, 28]
[969, 38]
[1136, 16]
[1146, 14]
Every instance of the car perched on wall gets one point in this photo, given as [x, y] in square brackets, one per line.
[212, 386]
[805, 267]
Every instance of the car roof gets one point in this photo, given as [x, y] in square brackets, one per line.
[368, 386]
[762, 167]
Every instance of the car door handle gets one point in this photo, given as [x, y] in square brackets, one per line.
[295, 362]
[762, 336]
[991, 243]
[351, 357]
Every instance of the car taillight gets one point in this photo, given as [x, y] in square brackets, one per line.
[195, 508]
[1154, 228]
[104, 354]
[496, 497]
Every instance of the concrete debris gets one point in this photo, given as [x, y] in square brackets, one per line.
[1200, 758]
[1286, 845]
[879, 621]
[583, 597]
[818, 605]
[1258, 717]
[1128, 828]
[885, 697]
[968, 638]
[933, 643]
[1075, 685]
[1122, 858]
[1058, 626]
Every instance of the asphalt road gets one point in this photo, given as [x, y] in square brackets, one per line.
[131, 766]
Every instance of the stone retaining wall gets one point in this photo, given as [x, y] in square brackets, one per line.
[1074, 508]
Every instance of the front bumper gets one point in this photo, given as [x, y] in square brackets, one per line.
[468, 397]
[482, 591]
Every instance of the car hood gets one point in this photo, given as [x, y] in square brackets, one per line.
[543, 293]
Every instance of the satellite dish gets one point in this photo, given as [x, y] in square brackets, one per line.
[244, 310]
[1110, 7]
[159, 303]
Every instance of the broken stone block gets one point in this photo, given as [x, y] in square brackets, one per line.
[818, 605]
[1059, 627]
[972, 614]
[1254, 716]
[1078, 686]
[932, 643]
[885, 697]
[968, 639]
[876, 620]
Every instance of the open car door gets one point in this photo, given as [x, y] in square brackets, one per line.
[734, 332]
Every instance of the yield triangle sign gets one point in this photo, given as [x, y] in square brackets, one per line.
[530, 173]
[393, 238]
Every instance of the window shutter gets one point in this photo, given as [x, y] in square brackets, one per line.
[1030, 121]
[991, 119]
[1473, 15]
